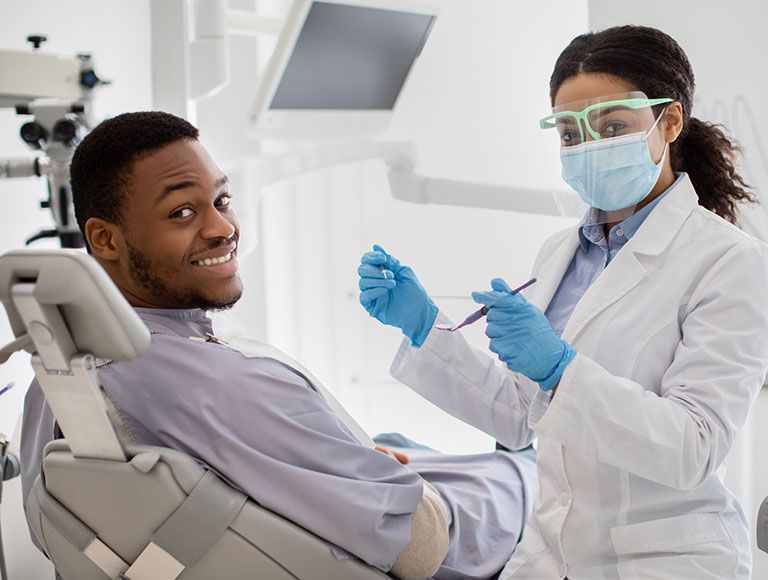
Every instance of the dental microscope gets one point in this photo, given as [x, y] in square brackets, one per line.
[54, 93]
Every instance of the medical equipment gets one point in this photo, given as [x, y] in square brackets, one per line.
[189, 65]
[56, 92]
[339, 68]
[106, 507]
[604, 118]
[478, 314]
[611, 153]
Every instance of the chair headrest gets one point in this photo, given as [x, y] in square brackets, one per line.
[97, 316]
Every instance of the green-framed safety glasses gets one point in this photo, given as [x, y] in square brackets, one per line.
[612, 116]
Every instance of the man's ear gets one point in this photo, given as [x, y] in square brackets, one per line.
[673, 121]
[105, 239]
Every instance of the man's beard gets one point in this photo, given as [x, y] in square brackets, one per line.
[144, 273]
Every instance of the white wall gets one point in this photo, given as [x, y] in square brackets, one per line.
[472, 106]
[117, 34]
[723, 41]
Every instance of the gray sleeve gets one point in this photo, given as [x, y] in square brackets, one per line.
[37, 429]
[261, 427]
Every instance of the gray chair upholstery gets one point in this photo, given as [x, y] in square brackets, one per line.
[762, 526]
[105, 508]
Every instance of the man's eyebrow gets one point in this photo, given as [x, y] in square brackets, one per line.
[171, 187]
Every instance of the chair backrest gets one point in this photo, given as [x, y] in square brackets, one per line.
[72, 311]
[103, 507]
[98, 319]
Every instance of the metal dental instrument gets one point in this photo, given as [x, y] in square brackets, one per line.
[478, 314]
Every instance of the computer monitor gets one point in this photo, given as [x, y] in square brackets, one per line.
[339, 68]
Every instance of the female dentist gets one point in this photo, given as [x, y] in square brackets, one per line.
[636, 356]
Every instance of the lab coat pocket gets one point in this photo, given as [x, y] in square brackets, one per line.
[531, 554]
[688, 546]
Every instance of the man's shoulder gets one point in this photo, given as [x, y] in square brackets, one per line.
[175, 364]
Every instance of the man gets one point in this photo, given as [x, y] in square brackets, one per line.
[155, 212]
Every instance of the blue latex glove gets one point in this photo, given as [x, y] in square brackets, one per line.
[522, 336]
[395, 296]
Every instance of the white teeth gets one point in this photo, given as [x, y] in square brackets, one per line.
[214, 261]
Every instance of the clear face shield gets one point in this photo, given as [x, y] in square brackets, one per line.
[610, 152]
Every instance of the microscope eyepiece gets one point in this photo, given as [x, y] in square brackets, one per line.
[65, 131]
[34, 134]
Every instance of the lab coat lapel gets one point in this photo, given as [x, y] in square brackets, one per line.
[551, 271]
[622, 275]
[627, 270]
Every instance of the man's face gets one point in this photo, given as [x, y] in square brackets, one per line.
[180, 233]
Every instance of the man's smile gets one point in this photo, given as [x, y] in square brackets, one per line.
[222, 260]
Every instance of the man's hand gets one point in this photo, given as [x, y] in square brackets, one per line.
[401, 457]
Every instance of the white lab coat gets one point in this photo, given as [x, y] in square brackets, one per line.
[672, 342]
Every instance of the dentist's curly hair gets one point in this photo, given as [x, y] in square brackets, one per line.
[100, 172]
[655, 64]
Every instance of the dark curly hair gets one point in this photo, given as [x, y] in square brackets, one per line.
[101, 167]
[655, 64]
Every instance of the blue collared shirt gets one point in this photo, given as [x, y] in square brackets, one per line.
[592, 256]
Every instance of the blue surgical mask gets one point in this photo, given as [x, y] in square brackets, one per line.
[612, 174]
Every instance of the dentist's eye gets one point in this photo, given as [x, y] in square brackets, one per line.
[568, 138]
[613, 129]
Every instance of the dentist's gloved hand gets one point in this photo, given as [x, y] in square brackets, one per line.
[395, 296]
[522, 336]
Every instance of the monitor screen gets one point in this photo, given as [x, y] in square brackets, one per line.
[351, 58]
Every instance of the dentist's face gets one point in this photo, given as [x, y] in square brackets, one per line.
[179, 231]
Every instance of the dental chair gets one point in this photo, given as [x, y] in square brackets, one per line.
[104, 507]
[762, 526]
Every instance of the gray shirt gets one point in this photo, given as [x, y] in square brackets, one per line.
[262, 427]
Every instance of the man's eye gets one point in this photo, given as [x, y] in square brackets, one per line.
[224, 200]
[182, 213]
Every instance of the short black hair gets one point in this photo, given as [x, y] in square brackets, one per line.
[101, 167]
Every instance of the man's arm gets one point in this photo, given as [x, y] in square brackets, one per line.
[260, 426]
[423, 555]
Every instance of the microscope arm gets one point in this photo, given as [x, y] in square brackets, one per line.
[11, 167]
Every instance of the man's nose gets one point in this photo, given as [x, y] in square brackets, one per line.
[217, 225]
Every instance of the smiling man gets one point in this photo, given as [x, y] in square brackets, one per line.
[155, 212]
[179, 235]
